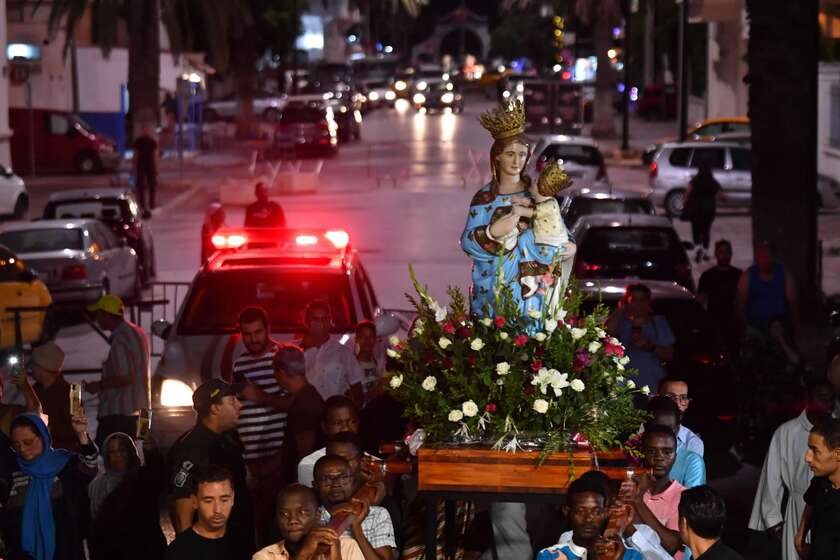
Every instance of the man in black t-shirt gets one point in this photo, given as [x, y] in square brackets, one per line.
[145, 167]
[213, 498]
[304, 416]
[264, 213]
[719, 286]
[822, 499]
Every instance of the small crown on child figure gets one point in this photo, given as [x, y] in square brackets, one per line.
[553, 179]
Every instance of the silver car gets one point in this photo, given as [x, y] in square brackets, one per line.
[580, 157]
[78, 260]
[267, 105]
[603, 200]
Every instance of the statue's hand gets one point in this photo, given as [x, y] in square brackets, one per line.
[568, 250]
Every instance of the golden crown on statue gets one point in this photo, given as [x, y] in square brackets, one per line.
[505, 121]
[553, 179]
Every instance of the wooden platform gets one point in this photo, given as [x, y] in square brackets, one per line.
[485, 470]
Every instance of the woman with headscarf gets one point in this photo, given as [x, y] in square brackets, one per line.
[124, 502]
[699, 208]
[44, 515]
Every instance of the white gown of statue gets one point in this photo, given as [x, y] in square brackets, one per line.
[784, 467]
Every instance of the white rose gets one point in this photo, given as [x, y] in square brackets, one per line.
[534, 314]
[631, 384]
[550, 325]
[577, 333]
[456, 416]
[444, 342]
[624, 360]
[477, 344]
[470, 408]
[392, 353]
[541, 406]
[540, 336]
[577, 385]
[394, 340]
[396, 381]
[620, 367]
[429, 383]
[619, 379]
[646, 390]
[503, 335]
[502, 368]
[487, 322]
[600, 332]
[594, 346]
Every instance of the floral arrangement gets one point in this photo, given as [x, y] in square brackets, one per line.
[486, 380]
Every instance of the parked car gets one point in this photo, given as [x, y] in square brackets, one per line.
[630, 246]
[595, 200]
[62, 141]
[119, 210]
[307, 128]
[20, 287]
[79, 259]
[580, 156]
[379, 92]
[267, 105]
[279, 270]
[721, 128]
[14, 198]
[439, 95]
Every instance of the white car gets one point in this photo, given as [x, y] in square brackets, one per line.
[579, 155]
[267, 105]
[14, 200]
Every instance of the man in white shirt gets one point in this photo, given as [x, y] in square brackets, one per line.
[331, 367]
[676, 389]
[785, 469]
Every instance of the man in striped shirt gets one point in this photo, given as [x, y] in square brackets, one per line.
[262, 420]
[125, 387]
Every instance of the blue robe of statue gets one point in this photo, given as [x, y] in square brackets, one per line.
[527, 258]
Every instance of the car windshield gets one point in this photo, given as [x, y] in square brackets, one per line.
[575, 153]
[107, 209]
[217, 299]
[42, 240]
[582, 206]
[302, 115]
[609, 244]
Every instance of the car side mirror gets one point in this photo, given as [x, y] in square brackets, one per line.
[146, 213]
[161, 328]
[386, 325]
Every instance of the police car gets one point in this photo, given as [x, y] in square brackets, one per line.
[280, 270]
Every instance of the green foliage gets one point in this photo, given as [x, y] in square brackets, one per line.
[487, 379]
[524, 34]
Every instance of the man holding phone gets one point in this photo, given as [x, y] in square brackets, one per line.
[46, 365]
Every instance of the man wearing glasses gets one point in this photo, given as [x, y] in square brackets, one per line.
[676, 389]
[372, 530]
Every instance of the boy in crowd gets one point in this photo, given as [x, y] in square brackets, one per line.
[689, 469]
[822, 500]
[676, 389]
[297, 519]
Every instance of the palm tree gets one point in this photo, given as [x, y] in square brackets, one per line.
[141, 19]
[600, 16]
[782, 55]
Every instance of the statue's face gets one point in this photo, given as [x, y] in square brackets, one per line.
[512, 159]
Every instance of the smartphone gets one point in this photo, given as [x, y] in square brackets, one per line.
[144, 423]
[75, 398]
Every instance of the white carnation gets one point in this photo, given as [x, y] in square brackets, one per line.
[624, 360]
[631, 384]
[456, 416]
[594, 346]
[418, 327]
[577, 333]
[396, 381]
[550, 325]
[487, 322]
[429, 383]
[541, 406]
[646, 390]
[619, 379]
[470, 409]
[577, 385]
[600, 332]
[540, 336]
[477, 344]
[444, 342]
[503, 335]
[502, 368]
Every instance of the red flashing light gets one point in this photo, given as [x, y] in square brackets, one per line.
[232, 241]
[306, 240]
[567, 75]
[339, 238]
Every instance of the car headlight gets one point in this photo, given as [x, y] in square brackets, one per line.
[506, 94]
[419, 98]
[390, 95]
[400, 85]
[520, 87]
[175, 393]
[422, 86]
[373, 96]
[447, 97]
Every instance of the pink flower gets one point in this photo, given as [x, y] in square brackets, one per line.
[582, 361]
[520, 340]
[536, 365]
[613, 349]
[500, 322]
[490, 407]
[448, 328]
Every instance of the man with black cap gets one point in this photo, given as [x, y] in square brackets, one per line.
[213, 441]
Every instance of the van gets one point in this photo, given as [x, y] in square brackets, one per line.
[62, 142]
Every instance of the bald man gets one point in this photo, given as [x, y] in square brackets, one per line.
[834, 379]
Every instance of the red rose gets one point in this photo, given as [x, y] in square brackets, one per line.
[472, 360]
[529, 390]
[464, 332]
[520, 340]
[447, 363]
[429, 358]
[448, 328]
[539, 351]
[536, 365]
[500, 322]
[490, 407]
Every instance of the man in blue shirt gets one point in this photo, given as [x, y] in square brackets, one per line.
[689, 469]
[586, 511]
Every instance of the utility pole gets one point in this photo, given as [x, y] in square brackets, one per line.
[683, 68]
[625, 118]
